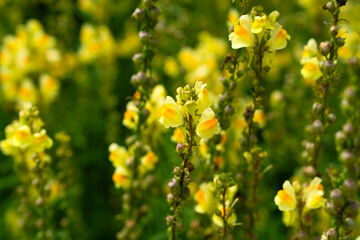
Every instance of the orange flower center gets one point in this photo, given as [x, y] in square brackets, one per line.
[284, 196]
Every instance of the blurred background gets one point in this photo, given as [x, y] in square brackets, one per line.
[85, 57]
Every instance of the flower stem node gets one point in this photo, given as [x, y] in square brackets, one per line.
[337, 197]
[317, 126]
[352, 209]
[329, 67]
[325, 48]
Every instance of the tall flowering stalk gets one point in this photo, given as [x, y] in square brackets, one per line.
[26, 142]
[132, 164]
[297, 204]
[320, 69]
[262, 36]
[343, 205]
[191, 113]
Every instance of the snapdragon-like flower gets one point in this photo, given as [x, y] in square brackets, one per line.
[192, 108]
[118, 155]
[171, 115]
[205, 198]
[311, 59]
[313, 194]
[285, 198]
[250, 31]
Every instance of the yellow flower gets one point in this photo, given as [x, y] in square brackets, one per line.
[121, 178]
[22, 137]
[260, 23]
[118, 155]
[259, 117]
[148, 161]
[233, 17]
[41, 141]
[7, 147]
[205, 199]
[242, 35]
[311, 70]
[229, 219]
[290, 218]
[286, 199]
[27, 92]
[171, 115]
[208, 125]
[310, 51]
[279, 38]
[171, 67]
[178, 136]
[203, 101]
[49, 87]
[313, 194]
[131, 117]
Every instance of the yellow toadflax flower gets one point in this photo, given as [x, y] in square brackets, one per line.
[279, 38]
[121, 178]
[41, 141]
[22, 137]
[208, 125]
[286, 199]
[171, 115]
[205, 199]
[313, 194]
[311, 70]
[242, 35]
[131, 117]
[148, 161]
[178, 136]
[118, 155]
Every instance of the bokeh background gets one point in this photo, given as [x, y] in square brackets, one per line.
[94, 88]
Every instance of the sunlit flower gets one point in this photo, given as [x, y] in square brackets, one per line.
[208, 125]
[121, 178]
[205, 198]
[311, 70]
[131, 117]
[242, 35]
[313, 194]
[171, 115]
[286, 199]
[118, 155]
[148, 161]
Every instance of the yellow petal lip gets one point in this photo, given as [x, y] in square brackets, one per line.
[286, 199]
[208, 125]
[170, 114]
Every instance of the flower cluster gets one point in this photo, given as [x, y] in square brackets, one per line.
[30, 63]
[294, 200]
[96, 42]
[123, 161]
[24, 138]
[190, 111]
[252, 30]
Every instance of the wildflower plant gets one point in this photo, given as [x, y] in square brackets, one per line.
[297, 202]
[320, 69]
[134, 162]
[262, 36]
[343, 204]
[26, 142]
[191, 113]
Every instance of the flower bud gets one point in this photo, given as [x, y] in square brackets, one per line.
[352, 209]
[148, 3]
[317, 107]
[175, 187]
[39, 201]
[180, 147]
[317, 126]
[347, 157]
[330, 208]
[145, 113]
[187, 180]
[39, 223]
[349, 93]
[138, 14]
[329, 6]
[331, 234]
[331, 118]
[348, 129]
[353, 61]
[340, 41]
[349, 224]
[144, 36]
[309, 171]
[310, 146]
[138, 58]
[229, 109]
[155, 12]
[349, 187]
[333, 30]
[170, 197]
[325, 48]
[169, 219]
[177, 171]
[329, 67]
[337, 197]
[339, 137]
